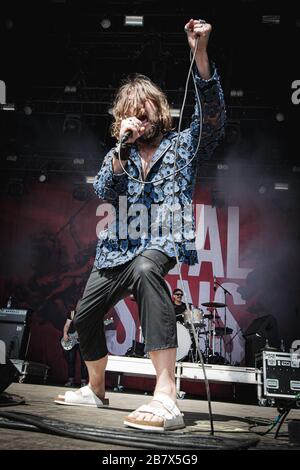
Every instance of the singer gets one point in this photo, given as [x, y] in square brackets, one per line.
[138, 264]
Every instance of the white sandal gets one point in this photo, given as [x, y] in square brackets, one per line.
[82, 397]
[172, 417]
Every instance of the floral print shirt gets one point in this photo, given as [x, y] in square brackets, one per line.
[130, 234]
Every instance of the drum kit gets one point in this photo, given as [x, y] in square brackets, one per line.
[209, 334]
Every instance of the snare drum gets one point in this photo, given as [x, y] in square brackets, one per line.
[195, 316]
[184, 342]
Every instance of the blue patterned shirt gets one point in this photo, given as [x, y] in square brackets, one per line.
[115, 246]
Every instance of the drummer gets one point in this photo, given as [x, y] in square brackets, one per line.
[179, 306]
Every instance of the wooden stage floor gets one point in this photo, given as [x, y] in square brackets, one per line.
[231, 420]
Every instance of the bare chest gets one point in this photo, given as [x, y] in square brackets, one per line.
[146, 160]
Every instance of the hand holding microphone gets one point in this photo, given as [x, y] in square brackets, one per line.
[131, 129]
[126, 136]
[198, 30]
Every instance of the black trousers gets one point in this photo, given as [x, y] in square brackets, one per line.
[144, 278]
[71, 361]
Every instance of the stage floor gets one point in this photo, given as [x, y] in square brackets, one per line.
[231, 420]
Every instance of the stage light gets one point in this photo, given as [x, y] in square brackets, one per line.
[2, 92]
[27, 110]
[43, 177]
[70, 89]
[12, 158]
[262, 189]
[7, 106]
[280, 117]
[222, 166]
[175, 112]
[90, 179]
[236, 93]
[78, 161]
[281, 186]
[271, 19]
[105, 23]
[134, 21]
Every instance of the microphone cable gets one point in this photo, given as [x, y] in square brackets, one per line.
[178, 132]
[207, 388]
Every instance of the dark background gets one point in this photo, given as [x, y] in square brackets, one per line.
[48, 45]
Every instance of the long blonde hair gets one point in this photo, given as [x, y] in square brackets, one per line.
[131, 97]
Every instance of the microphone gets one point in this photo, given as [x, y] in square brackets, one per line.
[215, 283]
[126, 136]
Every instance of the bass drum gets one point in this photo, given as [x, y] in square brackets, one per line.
[184, 342]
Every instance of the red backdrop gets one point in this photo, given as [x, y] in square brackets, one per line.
[47, 248]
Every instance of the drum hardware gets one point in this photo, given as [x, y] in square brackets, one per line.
[213, 304]
[215, 330]
[216, 359]
[179, 315]
[193, 316]
[194, 353]
[220, 331]
[212, 332]
[187, 347]
[194, 322]
[207, 350]
[210, 316]
[206, 331]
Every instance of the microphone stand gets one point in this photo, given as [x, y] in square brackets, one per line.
[225, 310]
[230, 342]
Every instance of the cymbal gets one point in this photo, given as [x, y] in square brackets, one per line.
[214, 304]
[220, 331]
[210, 316]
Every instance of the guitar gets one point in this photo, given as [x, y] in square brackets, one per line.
[73, 337]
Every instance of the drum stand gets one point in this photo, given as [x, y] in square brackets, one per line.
[207, 350]
[211, 335]
[210, 341]
[194, 350]
[194, 354]
[226, 292]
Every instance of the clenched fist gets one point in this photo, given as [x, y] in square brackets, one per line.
[198, 29]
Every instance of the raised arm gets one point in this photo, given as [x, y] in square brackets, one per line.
[210, 91]
[199, 30]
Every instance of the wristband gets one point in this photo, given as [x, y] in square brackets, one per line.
[124, 150]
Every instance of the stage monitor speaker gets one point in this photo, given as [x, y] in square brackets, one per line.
[14, 331]
[8, 374]
[261, 329]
